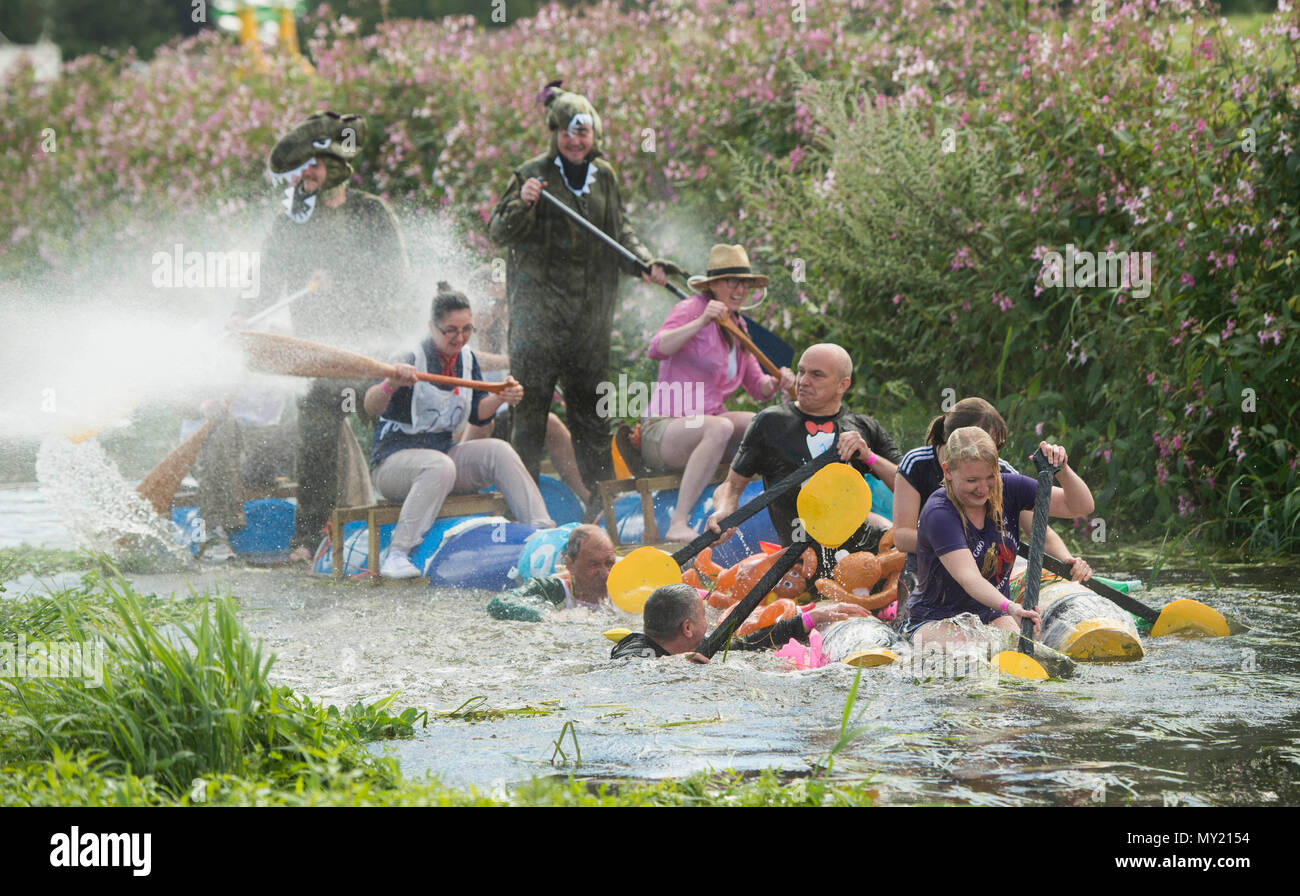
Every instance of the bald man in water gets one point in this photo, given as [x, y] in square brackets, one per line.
[782, 439]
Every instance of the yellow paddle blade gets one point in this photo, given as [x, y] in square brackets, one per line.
[1190, 616]
[874, 656]
[617, 634]
[1021, 665]
[639, 573]
[833, 504]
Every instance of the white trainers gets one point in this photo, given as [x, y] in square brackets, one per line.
[397, 565]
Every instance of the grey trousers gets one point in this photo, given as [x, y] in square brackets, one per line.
[422, 479]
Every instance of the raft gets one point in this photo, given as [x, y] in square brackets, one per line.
[479, 552]
[1081, 624]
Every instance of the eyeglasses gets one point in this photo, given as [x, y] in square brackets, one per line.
[735, 283]
[452, 332]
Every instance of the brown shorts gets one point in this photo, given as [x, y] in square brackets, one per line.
[653, 430]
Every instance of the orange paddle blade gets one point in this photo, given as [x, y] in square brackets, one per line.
[159, 487]
[290, 356]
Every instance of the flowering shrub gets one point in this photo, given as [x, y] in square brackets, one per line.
[923, 204]
[941, 204]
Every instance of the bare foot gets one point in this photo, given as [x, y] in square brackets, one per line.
[680, 532]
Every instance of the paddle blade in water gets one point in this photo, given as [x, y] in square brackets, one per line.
[833, 504]
[1190, 616]
[875, 656]
[1013, 662]
[639, 573]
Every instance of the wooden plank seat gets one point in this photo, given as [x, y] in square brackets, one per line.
[645, 486]
[385, 512]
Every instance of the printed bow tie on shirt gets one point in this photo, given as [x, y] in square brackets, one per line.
[814, 428]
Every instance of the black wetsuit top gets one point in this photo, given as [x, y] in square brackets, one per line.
[772, 637]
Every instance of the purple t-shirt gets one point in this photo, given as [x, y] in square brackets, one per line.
[939, 531]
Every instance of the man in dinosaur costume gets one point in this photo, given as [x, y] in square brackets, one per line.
[562, 283]
[348, 245]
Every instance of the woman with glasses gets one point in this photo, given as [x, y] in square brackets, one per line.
[701, 365]
[413, 459]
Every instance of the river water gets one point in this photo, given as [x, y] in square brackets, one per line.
[1197, 722]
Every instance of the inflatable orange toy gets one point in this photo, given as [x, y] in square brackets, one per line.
[762, 617]
[733, 583]
[792, 584]
[854, 578]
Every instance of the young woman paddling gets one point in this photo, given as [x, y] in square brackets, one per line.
[920, 474]
[414, 460]
[701, 365]
[969, 533]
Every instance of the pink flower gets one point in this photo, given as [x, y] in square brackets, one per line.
[1038, 430]
[1101, 150]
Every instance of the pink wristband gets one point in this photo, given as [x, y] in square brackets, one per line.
[1004, 605]
[871, 458]
[808, 624]
[384, 385]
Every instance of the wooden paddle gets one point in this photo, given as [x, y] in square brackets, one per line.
[833, 505]
[646, 568]
[290, 356]
[1183, 615]
[159, 487]
[726, 323]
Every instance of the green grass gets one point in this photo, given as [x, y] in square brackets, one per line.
[186, 715]
[28, 560]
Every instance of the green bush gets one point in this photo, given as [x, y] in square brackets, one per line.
[925, 228]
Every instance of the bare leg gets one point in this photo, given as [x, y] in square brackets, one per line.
[559, 445]
[696, 445]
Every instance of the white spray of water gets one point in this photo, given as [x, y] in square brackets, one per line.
[87, 347]
[100, 510]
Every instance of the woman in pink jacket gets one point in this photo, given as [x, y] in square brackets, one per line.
[700, 366]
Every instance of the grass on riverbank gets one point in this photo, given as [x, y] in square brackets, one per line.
[120, 699]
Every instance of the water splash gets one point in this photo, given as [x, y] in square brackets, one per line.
[100, 509]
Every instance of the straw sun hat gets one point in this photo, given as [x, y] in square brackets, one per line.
[728, 261]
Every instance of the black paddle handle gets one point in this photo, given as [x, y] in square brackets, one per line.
[722, 634]
[1037, 540]
[686, 554]
[1114, 595]
[608, 240]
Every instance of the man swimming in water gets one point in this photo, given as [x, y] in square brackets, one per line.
[675, 624]
[588, 558]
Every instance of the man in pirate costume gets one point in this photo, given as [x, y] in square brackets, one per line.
[562, 283]
[347, 245]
